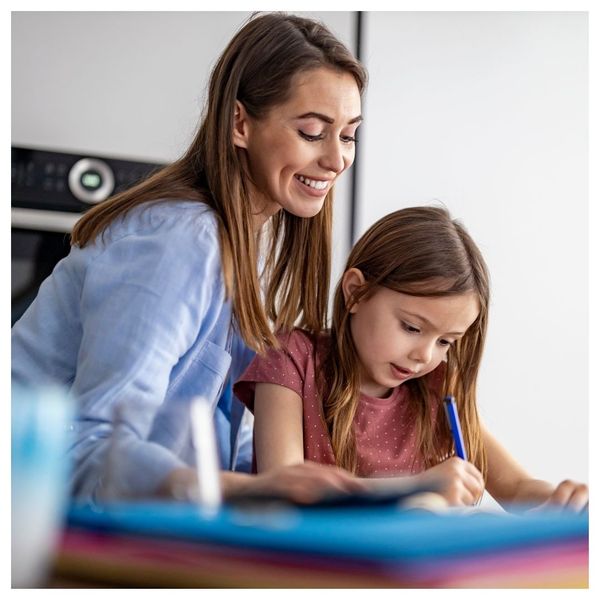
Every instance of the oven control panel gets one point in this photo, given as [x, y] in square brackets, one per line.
[59, 181]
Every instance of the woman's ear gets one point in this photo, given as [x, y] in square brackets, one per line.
[352, 280]
[241, 125]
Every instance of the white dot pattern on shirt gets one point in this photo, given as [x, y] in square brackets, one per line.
[385, 434]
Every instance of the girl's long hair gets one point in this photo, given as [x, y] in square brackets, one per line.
[422, 252]
[257, 68]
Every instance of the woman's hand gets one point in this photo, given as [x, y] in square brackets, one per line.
[568, 494]
[180, 484]
[304, 483]
[460, 482]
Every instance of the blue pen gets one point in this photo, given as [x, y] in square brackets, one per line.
[452, 414]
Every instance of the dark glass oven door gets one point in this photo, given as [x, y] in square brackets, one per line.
[34, 255]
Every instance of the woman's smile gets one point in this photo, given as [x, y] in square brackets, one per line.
[314, 187]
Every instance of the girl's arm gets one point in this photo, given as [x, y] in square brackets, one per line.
[508, 482]
[278, 436]
[279, 442]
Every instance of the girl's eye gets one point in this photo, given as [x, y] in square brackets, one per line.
[445, 343]
[410, 328]
[311, 138]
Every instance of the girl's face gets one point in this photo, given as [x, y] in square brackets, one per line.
[300, 148]
[400, 337]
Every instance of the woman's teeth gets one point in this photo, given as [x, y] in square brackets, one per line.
[313, 183]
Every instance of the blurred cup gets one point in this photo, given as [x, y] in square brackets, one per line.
[39, 477]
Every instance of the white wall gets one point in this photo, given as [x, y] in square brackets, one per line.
[487, 112]
[129, 84]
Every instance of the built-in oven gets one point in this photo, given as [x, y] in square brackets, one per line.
[49, 193]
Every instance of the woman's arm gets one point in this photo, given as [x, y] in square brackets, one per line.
[509, 483]
[279, 449]
[278, 436]
[146, 295]
[304, 483]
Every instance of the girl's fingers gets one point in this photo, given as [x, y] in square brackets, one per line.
[579, 500]
[570, 495]
[474, 483]
[474, 472]
[573, 496]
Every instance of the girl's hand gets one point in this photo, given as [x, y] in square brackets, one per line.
[461, 483]
[568, 494]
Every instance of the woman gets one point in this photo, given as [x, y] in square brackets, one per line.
[160, 299]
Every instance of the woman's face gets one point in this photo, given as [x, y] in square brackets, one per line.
[299, 149]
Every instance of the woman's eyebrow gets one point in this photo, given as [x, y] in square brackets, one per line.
[326, 119]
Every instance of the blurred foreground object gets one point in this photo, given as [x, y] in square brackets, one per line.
[174, 545]
[39, 476]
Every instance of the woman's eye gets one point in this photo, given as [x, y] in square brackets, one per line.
[348, 139]
[311, 138]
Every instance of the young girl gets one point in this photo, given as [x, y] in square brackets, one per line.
[159, 300]
[408, 327]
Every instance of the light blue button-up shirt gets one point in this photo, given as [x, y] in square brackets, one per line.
[135, 325]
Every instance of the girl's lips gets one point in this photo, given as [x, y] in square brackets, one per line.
[400, 372]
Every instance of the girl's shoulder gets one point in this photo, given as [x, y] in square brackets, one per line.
[303, 347]
[297, 341]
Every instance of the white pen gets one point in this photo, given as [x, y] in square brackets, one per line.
[207, 464]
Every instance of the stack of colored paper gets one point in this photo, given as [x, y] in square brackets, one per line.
[175, 545]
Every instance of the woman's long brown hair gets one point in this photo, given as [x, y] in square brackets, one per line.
[257, 68]
[422, 252]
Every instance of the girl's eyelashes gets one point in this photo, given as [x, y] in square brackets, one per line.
[415, 330]
[410, 328]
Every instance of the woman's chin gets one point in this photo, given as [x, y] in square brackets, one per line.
[305, 209]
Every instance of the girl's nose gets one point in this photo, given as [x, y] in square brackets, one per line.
[422, 353]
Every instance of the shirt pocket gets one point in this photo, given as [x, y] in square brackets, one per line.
[203, 375]
[214, 363]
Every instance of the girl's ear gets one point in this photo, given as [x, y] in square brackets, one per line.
[352, 280]
[240, 125]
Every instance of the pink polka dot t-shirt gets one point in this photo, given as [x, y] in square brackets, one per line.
[386, 437]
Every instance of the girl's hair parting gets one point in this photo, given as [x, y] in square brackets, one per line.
[419, 251]
[257, 68]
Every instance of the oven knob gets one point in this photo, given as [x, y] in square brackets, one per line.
[91, 180]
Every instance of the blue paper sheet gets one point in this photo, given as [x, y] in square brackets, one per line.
[382, 533]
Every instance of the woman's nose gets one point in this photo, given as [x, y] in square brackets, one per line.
[336, 157]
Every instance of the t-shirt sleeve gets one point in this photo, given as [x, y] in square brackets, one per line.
[285, 366]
